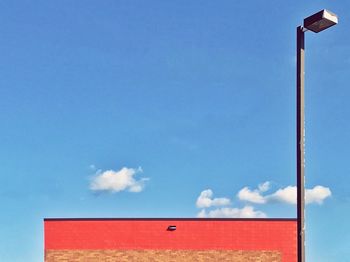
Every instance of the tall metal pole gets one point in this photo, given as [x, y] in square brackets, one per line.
[300, 144]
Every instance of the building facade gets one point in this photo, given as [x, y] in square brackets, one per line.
[241, 240]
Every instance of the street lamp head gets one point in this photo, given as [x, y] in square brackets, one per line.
[320, 21]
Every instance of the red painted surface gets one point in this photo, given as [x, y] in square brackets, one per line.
[190, 234]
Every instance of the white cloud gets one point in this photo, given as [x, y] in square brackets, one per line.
[317, 195]
[202, 214]
[253, 196]
[206, 199]
[289, 195]
[286, 195]
[116, 181]
[264, 186]
[227, 212]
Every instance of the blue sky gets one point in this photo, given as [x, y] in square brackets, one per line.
[169, 109]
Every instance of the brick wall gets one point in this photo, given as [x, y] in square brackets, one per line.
[193, 240]
[161, 256]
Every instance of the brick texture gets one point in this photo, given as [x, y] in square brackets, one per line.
[160, 256]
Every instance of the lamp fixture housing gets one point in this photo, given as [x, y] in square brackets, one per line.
[320, 21]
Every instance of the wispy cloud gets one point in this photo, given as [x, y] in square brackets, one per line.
[254, 196]
[92, 167]
[228, 212]
[263, 187]
[116, 181]
[206, 199]
[221, 207]
[286, 195]
[317, 195]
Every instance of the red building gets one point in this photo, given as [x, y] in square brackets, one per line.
[170, 240]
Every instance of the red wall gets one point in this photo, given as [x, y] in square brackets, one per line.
[191, 234]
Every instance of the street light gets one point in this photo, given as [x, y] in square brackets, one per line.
[316, 23]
